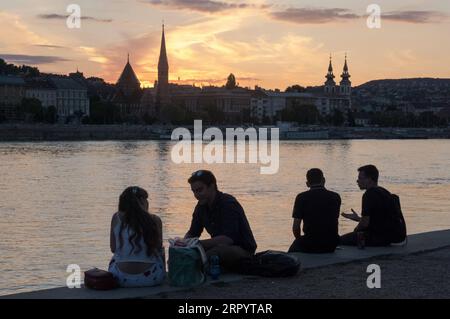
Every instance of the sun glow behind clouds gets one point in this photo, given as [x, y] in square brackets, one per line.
[261, 42]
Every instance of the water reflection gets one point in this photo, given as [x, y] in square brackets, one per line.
[57, 198]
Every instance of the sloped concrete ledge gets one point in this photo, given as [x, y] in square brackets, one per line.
[417, 243]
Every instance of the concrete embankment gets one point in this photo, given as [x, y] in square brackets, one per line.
[417, 243]
[23, 132]
[42, 132]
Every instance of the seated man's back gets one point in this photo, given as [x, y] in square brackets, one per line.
[381, 222]
[378, 204]
[318, 210]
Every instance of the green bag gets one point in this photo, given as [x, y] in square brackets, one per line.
[185, 267]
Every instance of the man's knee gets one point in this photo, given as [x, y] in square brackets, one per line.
[296, 246]
[229, 256]
[348, 239]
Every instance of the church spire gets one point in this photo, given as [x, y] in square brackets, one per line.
[330, 85]
[163, 63]
[330, 74]
[345, 73]
[345, 84]
[162, 92]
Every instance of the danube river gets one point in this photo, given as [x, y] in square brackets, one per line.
[57, 198]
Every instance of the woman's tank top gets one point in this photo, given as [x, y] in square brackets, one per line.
[126, 252]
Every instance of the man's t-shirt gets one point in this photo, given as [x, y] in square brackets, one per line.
[377, 203]
[319, 209]
[225, 218]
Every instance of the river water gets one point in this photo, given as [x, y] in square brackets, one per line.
[57, 198]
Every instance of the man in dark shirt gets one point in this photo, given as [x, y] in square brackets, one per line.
[379, 222]
[318, 209]
[223, 218]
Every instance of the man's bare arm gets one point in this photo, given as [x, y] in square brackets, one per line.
[353, 216]
[363, 224]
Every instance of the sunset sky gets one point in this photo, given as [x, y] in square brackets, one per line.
[268, 43]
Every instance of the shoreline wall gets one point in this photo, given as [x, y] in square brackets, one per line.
[36, 132]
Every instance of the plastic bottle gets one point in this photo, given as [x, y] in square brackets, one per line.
[214, 267]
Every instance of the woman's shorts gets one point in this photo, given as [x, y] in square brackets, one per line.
[153, 276]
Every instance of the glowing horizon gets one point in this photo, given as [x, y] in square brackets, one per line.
[263, 42]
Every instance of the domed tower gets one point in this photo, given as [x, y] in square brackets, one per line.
[345, 86]
[330, 85]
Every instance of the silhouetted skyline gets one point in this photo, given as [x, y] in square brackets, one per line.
[266, 43]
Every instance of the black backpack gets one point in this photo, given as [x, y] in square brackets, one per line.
[270, 263]
[400, 233]
[397, 230]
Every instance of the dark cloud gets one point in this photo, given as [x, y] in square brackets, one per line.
[415, 16]
[32, 59]
[314, 15]
[52, 16]
[55, 16]
[49, 46]
[322, 16]
[205, 6]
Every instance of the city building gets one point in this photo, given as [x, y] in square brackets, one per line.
[231, 103]
[267, 105]
[12, 91]
[71, 98]
[336, 97]
[42, 90]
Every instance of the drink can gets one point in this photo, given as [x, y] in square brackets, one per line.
[361, 239]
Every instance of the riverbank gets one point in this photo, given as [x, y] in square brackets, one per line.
[421, 275]
[29, 132]
[43, 132]
[419, 269]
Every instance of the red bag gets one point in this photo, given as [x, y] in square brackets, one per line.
[99, 279]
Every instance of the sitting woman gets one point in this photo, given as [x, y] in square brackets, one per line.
[136, 242]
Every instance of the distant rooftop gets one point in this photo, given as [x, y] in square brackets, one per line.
[39, 84]
[261, 93]
[66, 83]
[11, 80]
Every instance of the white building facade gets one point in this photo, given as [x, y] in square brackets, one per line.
[71, 98]
[43, 91]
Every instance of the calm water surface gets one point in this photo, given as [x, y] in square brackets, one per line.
[57, 198]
